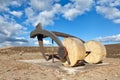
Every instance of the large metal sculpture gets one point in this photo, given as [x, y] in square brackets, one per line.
[63, 54]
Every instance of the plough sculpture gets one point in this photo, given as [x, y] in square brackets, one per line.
[68, 56]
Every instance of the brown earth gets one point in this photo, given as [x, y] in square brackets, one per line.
[26, 63]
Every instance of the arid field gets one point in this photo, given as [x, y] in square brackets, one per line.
[27, 63]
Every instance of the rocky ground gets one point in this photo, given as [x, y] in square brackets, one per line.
[25, 65]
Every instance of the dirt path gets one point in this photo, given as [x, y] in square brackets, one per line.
[31, 66]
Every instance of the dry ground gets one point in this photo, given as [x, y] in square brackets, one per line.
[21, 63]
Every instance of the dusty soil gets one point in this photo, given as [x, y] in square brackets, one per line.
[21, 65]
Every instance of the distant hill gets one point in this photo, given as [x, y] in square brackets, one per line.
[24, 49]
[113, 50]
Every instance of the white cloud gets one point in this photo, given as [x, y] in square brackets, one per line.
[71, 13]
[16, 3]
[116, 21]
[5, 44]
[113, 38]
[46, 17]
[108, 12]
[4, 4]
[10, 28]
[16, 13]
[29, 12]
[41, 4]
[110, 3]
[76, 8]
[45, 42]
[10, 32]
[109, 9]
[47, 11]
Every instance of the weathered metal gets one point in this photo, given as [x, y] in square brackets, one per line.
[39, 30]
[41, 33]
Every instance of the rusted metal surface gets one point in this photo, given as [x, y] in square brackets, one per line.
[60, 34]
[39, 30]
[41, 33]
[40, 41]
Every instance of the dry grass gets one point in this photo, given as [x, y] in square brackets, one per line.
[113, 50]
[12, 69]
[17, 50]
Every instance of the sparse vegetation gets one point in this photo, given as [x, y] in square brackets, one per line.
[15, 50]
[113, 50]
[11, 68]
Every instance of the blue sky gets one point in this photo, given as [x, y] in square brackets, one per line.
[87, 19]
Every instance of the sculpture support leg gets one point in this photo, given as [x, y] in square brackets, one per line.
[42, 49]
